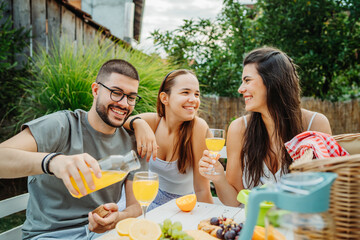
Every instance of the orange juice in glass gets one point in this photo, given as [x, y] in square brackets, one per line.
[114, 169]
[145, 188]
[215, 141]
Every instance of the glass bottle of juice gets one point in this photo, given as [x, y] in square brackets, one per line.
[114, 168]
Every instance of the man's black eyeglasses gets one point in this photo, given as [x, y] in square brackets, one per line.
[117, 95]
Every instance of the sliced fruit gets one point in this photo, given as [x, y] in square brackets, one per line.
[122, 227]
[259, 233]
[186, 203]
[144, 229]
[273, 234]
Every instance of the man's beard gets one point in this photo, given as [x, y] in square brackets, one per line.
[102, 112]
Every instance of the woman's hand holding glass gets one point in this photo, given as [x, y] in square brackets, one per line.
[215, 141]
[208, 164]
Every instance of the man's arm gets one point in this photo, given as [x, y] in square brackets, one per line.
[19, 158]
[99, 225]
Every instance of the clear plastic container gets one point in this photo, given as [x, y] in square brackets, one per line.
[296, 225]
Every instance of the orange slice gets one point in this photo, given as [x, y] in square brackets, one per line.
[259, 233]
[122, 227]
[144, 229]
[186, 203]
[273, 234]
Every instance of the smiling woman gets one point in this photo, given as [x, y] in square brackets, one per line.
[170, 136]
[255, 142]
[253, 89]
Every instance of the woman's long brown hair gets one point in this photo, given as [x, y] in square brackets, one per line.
[184, 145]
[281, 80]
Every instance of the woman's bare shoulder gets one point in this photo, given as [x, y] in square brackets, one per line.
[238, 125]
[151, 118]
[200, 127]
[319, 123]
[200, 122]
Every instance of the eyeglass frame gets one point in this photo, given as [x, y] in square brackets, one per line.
[124, 94]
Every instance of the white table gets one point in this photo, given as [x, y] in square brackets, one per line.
[189, 220]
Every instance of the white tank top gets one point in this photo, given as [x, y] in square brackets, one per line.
[268, 176]
[170, 179]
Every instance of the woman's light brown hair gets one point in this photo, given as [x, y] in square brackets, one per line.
[184, 145]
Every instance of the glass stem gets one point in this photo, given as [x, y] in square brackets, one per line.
[144, 208]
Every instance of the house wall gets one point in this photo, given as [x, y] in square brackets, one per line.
[50, 22]
[116, 15]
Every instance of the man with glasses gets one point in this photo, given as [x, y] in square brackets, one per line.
[56, 147]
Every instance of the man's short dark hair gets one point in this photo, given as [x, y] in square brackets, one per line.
[117, 66]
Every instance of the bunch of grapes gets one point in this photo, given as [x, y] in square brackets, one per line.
[227, 231]
[173, 231]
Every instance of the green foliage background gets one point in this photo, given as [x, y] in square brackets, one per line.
[62, 80]
[322, 36]
[12, 42]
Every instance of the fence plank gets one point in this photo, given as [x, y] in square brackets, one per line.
[21, 13]
[67, 24]
[21, 16]
[79, 33]
[89, 35]
[38, 17]
[53, 23]
[7, 11]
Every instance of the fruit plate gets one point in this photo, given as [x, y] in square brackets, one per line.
[190, 220]
[201, 211]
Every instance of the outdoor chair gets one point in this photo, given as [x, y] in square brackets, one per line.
[10, 206]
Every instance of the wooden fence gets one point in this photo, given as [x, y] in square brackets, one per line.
[52, 21]
[344, 117]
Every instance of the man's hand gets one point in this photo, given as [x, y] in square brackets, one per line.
[65, 167]
[100, 225]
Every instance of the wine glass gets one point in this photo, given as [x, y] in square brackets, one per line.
[215, 141]
[145, 188]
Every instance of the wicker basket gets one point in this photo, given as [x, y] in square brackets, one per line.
[345, 192]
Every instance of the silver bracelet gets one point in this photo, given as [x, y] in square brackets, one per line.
[46, 162]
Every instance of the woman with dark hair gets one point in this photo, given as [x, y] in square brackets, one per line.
[255, 142]
[176, 138]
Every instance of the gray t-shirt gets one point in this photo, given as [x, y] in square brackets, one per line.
[50, 206]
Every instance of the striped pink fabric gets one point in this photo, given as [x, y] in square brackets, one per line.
[322, 144]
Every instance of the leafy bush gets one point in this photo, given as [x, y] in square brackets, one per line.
[62, 80]
[12, 42]
[322, 36]
[214, 49]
